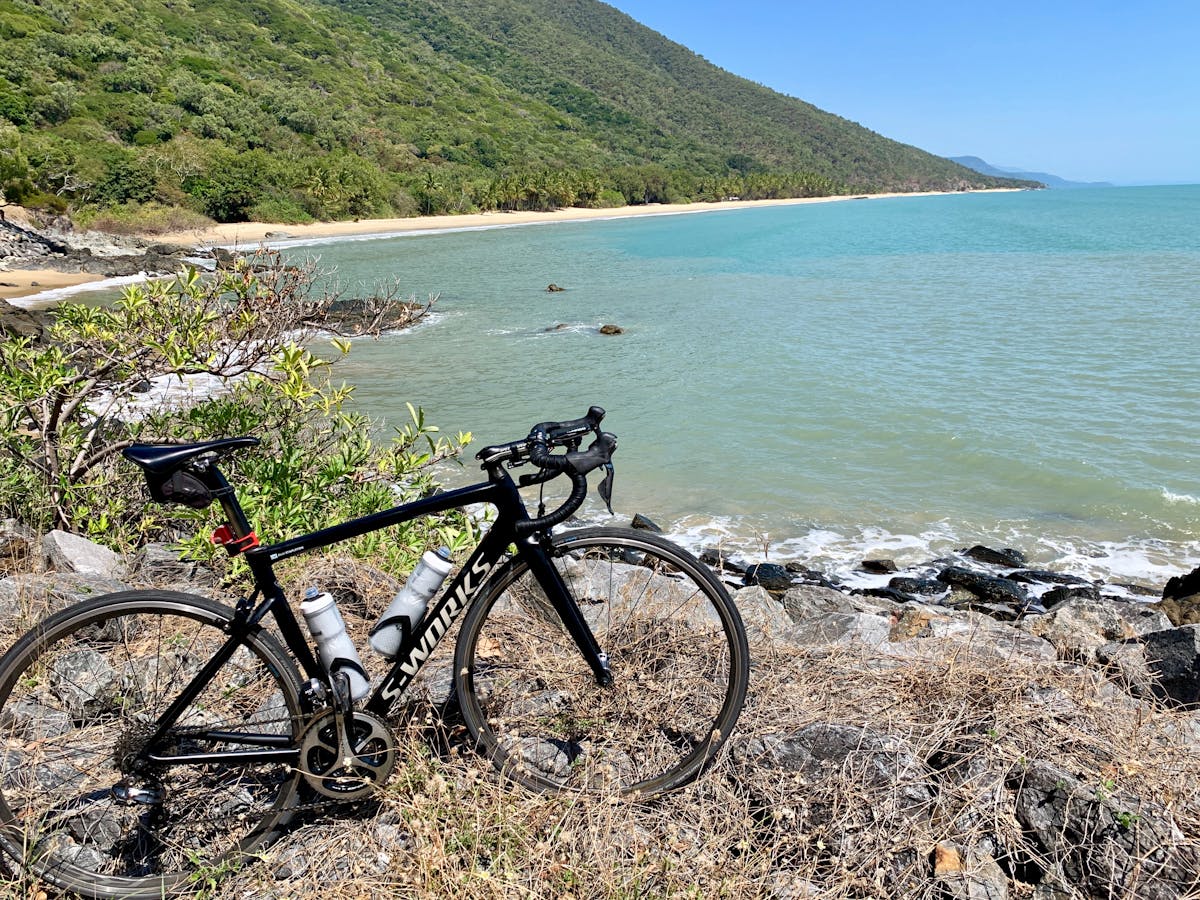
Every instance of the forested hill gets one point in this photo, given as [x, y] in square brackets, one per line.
[295, 109]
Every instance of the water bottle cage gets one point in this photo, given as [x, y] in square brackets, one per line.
[404, 623]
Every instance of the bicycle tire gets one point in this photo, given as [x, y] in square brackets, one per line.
[677, 651]
[78, 694]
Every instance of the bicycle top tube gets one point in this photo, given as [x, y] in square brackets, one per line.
[187, 474]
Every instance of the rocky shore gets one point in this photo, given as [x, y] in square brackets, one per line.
[976, 730]
[59, 247]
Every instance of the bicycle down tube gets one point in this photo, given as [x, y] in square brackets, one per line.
[500, 492]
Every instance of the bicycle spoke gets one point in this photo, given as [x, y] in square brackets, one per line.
[84, 806]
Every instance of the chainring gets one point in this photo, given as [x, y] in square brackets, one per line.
[374, 756]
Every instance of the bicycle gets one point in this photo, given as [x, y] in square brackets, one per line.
[150, 734]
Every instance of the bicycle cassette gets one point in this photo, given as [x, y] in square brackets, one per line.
[352, 770]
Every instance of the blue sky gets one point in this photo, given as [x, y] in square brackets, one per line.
[1097, 91]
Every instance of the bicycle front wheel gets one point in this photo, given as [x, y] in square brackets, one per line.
[677, 651]
[79, 697]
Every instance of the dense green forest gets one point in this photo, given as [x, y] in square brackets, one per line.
[293, 110]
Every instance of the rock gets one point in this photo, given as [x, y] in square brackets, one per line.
[913, 622]
[1173, 657]
[804, 601]
[160, 565]
[17, 544]
[1143, 618]
[716, 557]
[772, 576]
[967, 874]
[611, 329]
[1126, 664]
[1079, 627]
[39, 594]
[1182, 586]
[879, 566]
[1008, 557]
[762, 614]
[1057, 596]
[986, 637]
[880, 765]
[645, 523]
[21, 323]
[1180, 610]
[1041, 576]
[66, 552]
[85, 682]
[988, 588]
[557, 326]
[804, 575]
[909, 585]
[554, 289]
[1106, 845]
[865, 629]
[885, 593]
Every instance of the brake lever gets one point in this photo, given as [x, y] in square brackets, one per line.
[606, 486]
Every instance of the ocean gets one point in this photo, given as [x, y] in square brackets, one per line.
[828, 382]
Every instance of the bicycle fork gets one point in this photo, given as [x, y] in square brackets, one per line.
[552, 583]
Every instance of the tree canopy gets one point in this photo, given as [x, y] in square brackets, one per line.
[312, 109]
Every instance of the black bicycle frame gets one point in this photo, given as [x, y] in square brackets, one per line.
[499, 491]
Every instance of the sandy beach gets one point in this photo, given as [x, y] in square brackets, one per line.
[16, 283]
[253, 233]
[28, 283]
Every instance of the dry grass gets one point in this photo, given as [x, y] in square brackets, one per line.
[944, 737]
[960, 729]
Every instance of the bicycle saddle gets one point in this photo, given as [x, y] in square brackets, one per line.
[162, 458]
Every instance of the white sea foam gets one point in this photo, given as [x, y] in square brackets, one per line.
[839, 553]
[51, 297]
[1173, 498]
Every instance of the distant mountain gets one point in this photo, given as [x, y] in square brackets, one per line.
[1051, 181]
[284, 110]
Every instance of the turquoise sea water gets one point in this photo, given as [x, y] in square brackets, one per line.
[876, 377]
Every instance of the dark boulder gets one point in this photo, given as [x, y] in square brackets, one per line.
[1174, 658]
[715, 557]
[645, 523]
[20, 323]
[1013, 559]
[1057, 596]
[909, 585]
[771, 576]
[1106, 844]
[988, 588]
[885, 593]
[611, 329]
[802, 574]
[1041, 576]
[1182, 585]
[879, 566]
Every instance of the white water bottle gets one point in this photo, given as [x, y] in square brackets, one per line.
[408, 606]
[333, 644]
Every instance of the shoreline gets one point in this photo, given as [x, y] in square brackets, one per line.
[235, 233]
[38, 287]
[28, 284]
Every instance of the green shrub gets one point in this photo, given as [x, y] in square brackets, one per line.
[140, 218]
[279, 209]
[67, 410]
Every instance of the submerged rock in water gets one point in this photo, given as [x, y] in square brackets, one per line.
[1006, 557]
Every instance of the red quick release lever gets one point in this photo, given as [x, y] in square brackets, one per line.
[223, 537]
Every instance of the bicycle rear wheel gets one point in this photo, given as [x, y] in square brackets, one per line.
[677, 651]
[79, 696]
